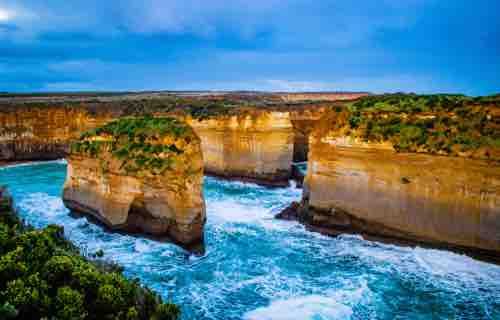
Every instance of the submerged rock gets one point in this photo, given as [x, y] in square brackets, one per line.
[289, 213]
[140, 175]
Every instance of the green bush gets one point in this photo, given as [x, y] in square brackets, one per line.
[166, 311]
[443, 124]
[58, 270]
[137, 142]
[69, 305]
[109, 299]
[42, 275]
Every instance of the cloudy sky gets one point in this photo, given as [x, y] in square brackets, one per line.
[295, 45]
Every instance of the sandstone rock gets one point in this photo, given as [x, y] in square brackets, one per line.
[367, 187]
[255, 146]
[252, 143]
[140, 175]
[29, 132]
[289, 213]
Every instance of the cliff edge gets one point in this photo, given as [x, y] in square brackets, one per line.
[429, 176]
[141, 175]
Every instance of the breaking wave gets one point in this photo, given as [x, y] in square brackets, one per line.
[256, 267]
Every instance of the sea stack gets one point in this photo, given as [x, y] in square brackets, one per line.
[254, 146]
[140, 175]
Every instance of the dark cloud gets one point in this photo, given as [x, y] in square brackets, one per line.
[379, 45]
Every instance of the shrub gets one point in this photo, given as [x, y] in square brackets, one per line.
[42, 275]
[58, 270]
[109, 299]
[29, 296]
[444, 124]
[69, 304]
[137, 142]
[166, 311]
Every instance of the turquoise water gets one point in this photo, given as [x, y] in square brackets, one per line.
[258, 268]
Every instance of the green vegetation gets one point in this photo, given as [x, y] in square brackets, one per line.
[43, 276]
[137, 142]
[196, 107]
[437, 124]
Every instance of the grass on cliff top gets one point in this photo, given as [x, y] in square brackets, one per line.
[197, 107]
[43, 276]
[436, 124]
[201, 107]
[137, 142]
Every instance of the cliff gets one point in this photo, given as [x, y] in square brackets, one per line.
[33, 132]
[249, 140]
[253, 146]
[140, 175]
[363, 185]
[303, 122]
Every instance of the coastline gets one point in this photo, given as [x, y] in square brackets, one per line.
[7, 164]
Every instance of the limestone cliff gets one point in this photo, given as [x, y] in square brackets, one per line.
[303, 122]
[254, 145]
[140, 175]
[31, 132]
[360, 186]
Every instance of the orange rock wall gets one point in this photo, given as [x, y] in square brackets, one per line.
[42, 133]
[256, 146]
[369, 188]
[170, 204]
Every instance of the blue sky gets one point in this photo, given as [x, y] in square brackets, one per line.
[296, 45]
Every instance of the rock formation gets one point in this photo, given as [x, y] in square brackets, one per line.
[253, 146]
[32, 132]
[253, 143]
[140, 175]
[360, 186]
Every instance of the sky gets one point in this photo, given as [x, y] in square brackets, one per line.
[423, 46]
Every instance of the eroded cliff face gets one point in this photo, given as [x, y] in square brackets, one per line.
[147, 178]
[43, 133]
[303, 122]
[251, 143]
[369, 188]
[254, 146]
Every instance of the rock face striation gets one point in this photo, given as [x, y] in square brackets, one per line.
[31, 132]
[140, 175]
[254, 146]
[243, 141]
[358, 186]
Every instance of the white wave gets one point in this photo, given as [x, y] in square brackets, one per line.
[142, 245]
[333, 304]
[313, 307]
[42, 204]
[33, 163]
[420, 261]
[235, 184]
[441, 262]
[235, 211]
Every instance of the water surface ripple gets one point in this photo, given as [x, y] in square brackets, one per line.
[258, 268]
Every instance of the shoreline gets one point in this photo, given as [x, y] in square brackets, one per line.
[7, 164]
[293, 213]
